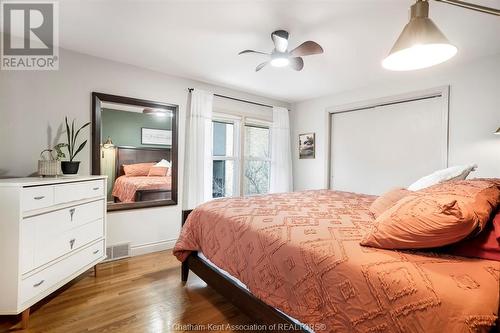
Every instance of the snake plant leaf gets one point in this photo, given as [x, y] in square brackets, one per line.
[85, 125]
[68, 134]
[79, 149]
[72, 144]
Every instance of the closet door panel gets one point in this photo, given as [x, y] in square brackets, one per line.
[374, 150]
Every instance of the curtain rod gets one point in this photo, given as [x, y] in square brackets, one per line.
[472, 6]
[238, 99]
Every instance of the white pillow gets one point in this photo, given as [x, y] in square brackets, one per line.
[163, 163]
[458, 172]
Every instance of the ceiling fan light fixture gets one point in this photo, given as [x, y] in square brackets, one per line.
[282, 57]
[280, 62]
[420, 45]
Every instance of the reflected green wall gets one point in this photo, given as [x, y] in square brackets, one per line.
[124, 127]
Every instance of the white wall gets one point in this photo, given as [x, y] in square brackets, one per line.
[474, 116]
[32, 108]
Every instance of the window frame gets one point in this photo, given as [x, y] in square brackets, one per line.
[239, 158]
[259, 124]
[235, 157]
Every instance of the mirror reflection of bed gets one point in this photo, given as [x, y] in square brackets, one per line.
[142, 174]
[136, 152]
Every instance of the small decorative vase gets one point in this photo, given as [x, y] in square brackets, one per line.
[70, 168]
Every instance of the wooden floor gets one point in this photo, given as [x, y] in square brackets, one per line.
[140, 294]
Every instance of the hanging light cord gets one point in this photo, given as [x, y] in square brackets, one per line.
[472, 6]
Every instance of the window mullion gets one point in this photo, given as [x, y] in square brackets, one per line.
[242, 155]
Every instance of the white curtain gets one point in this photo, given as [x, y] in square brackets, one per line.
[198, 165]
[281, 154]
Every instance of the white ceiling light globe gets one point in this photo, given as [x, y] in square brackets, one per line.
[280, 62]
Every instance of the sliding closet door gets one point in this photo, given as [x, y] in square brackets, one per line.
[376, 149]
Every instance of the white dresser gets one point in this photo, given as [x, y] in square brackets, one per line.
[51, 230]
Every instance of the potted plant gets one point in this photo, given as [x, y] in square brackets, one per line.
[71, 167]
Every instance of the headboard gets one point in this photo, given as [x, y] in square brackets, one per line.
[129, 155]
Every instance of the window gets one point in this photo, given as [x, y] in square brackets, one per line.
[257, 162]
[223, 159]
[240, 169]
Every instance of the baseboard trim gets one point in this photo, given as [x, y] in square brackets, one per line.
[137, 250]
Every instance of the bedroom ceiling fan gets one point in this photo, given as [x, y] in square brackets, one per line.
[281, 57]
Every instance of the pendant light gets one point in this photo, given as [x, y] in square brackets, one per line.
[421, 44]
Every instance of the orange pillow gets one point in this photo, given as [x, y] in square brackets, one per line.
[157, 171]
[138, 169]
[436, 216]
[387, 200]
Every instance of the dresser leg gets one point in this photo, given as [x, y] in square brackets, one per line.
[25, 318]
[95, 270]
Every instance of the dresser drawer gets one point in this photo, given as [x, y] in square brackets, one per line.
[36, 284]
[37, 197]
[48, 227]
[48, 248]
[78, 191]
[61, 220]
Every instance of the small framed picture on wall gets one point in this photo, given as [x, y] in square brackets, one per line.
[152, 136]
[307, 145]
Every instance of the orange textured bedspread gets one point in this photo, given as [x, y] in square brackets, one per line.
[300, 252]
[125, 187]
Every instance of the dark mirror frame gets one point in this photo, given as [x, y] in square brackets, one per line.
[97, 98]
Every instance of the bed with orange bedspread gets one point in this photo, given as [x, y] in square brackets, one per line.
[125, 187]
[299, 252]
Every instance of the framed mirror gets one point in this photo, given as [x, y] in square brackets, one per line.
[134, 143]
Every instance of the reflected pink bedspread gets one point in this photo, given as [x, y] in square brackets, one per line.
[125, 187]
[300, 252]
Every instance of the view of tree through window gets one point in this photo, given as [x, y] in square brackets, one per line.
[257, 160]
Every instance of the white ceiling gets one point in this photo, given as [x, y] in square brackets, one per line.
[201, 39]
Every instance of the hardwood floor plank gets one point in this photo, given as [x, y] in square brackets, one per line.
[139, 294]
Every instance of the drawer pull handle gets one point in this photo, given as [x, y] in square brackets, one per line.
[71, 213]
[96, 251]
[38, 284]
[39, 198]
[72, 243]
[95, 188]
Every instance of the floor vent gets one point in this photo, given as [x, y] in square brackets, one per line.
[118, 251]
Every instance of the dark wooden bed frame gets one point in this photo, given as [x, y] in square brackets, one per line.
[132, 155]
[242, 298]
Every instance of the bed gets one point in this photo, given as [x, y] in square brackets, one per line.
[140, 188]
[297, 258]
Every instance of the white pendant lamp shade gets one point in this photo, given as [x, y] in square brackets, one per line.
[421, 44]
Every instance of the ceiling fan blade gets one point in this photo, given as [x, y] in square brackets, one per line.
[307, 48]
[280, 39]
[260, 66]
[251, 51]
[296, 63]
